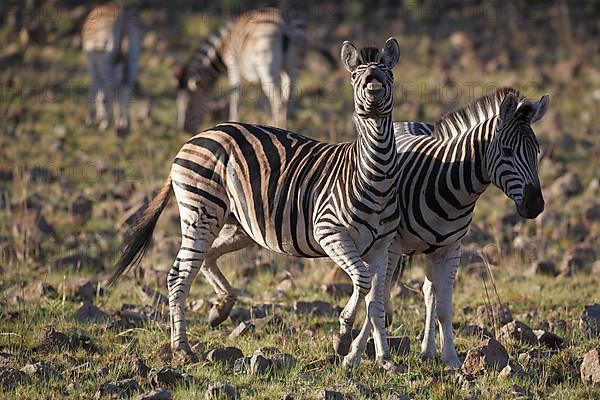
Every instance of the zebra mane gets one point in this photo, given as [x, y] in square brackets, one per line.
[368, 54]
[456, 122]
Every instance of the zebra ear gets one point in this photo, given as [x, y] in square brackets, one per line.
[540, 108]
[349, 56]
[508, 107]
[391, 53]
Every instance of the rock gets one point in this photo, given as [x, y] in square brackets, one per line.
[589, 322]
[590, 367]
[123, 388]
[226, 355]
[337, 290]
[6, 359]
[241, 365]
[475, 330]
[543, 268]
[156, 394]
[259, 365]
[330, 395]
[90, 313]
[267, 351]
[512, 370]
[496, 313]
[317, 308]
[53, 340]
[282, 361]
[596, 268]
[221, 391]
[399, 345]
[29, 222]
[534, 358]
[239, 314]
[519, 331]
[519, 391]
[286, 285]
[11, 378]
[489, 354]
[577, 259]
[549, 339]
[38, 291]
[396, 396]
[153, 297]
[81, 209]
[139, 367]
[77, 260]
[164, 377]
[565, 187]
[591, 213]
[41, 370]
[82, 288]
[242, 329]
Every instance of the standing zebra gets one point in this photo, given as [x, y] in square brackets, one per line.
[261, 46]
[444, 168]
[111, 40]
[290, 194]
[441, 176]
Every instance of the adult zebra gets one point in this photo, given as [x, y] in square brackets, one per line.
[262, 46]
[112, 43]
[291, 194]
[443, 170]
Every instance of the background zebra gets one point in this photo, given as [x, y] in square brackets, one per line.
[111, 40]
[291, 194]
[262, 46]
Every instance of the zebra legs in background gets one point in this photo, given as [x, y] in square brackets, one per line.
[102, 88]
[437, 289]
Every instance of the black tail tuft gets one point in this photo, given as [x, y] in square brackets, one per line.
[137, 240]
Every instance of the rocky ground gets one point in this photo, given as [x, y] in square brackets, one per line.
[68, 193]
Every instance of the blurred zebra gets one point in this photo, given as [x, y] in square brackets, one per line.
[111, 41]
[292, 195]
[262, 46]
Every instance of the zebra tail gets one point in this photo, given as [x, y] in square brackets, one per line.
[137, 240]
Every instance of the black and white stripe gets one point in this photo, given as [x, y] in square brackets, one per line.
[290, 194]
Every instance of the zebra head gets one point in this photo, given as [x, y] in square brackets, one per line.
[372, 78]
[512, 155]
[192, 100]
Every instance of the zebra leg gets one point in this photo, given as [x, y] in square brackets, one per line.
[394, 256]
[124, 94]
[428, 342]
[92, 94]
[234, 98]
[344, 253]
[198, 232]
[105, 99]
[287, 90]
[273, 92]
[444, 273]
[231, 238]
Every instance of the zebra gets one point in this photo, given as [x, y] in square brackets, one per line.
[290, 194]
[262, 46]
[443, 170]
[111, 41]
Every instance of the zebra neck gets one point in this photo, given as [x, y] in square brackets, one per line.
[375, 149]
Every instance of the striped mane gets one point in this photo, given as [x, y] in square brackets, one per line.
[457, 122]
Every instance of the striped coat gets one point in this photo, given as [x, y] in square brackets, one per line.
[290, 194]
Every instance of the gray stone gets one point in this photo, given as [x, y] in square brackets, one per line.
[543, 268]
[549, 339]
[590, 320]
[259, 365]
[239, 314]
[512, 370]
[242, 329]
[337, 290]
[590, 367]
[90, 313]
[498, 314]
[317, 308]
[241, 365]
[396, 396]
[11, 378]
[577, 259]
[519, 331]
[489, 354]
[164, 377]
[226, 355]
[535, 359]
[156, 394]
[399, 345]
[38, 291]
[123, 388]
[221, 391]
[330, 395]
[139, 367]
[282, 361]
[41, 370]
[565, 186]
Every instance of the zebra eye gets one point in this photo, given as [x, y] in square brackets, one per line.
[353, 75]
[507, 151]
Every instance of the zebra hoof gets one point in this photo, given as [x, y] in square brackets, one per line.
[341, 343]
[219, 313]
[184, 357]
